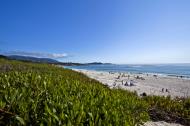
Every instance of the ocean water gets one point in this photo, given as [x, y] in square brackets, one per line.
[165, 69]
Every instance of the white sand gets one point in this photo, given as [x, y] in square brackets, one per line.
[151, 85]
[160, 123]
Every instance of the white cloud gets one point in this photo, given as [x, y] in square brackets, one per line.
[58, 55]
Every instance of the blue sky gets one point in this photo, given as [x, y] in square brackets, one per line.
[116, 31]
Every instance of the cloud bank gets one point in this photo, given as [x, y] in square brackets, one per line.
[37, 54]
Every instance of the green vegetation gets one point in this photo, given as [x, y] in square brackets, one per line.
[43, 94]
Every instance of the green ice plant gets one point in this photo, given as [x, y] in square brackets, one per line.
[43, 94]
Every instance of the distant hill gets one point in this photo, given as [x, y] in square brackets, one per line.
[2, 56]
[39, 60]
[97, 63]
[94, 63]
[46, 60]
[32, 59]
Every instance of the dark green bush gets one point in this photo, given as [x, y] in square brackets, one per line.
[170, 110]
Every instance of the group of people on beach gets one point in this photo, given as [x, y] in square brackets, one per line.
[125, 83]
[129, 82]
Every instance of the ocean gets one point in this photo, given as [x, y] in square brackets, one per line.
[182, 70]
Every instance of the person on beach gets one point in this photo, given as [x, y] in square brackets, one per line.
[126, 83]
[162, 89]
[128, 76]
[114, 84]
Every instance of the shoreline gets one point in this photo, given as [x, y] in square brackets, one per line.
[180, 76]
[143, 83]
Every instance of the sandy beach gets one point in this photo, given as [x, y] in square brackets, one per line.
[149, 84]
[160, 123]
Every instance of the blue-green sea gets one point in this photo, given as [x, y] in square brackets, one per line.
[165, 69]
